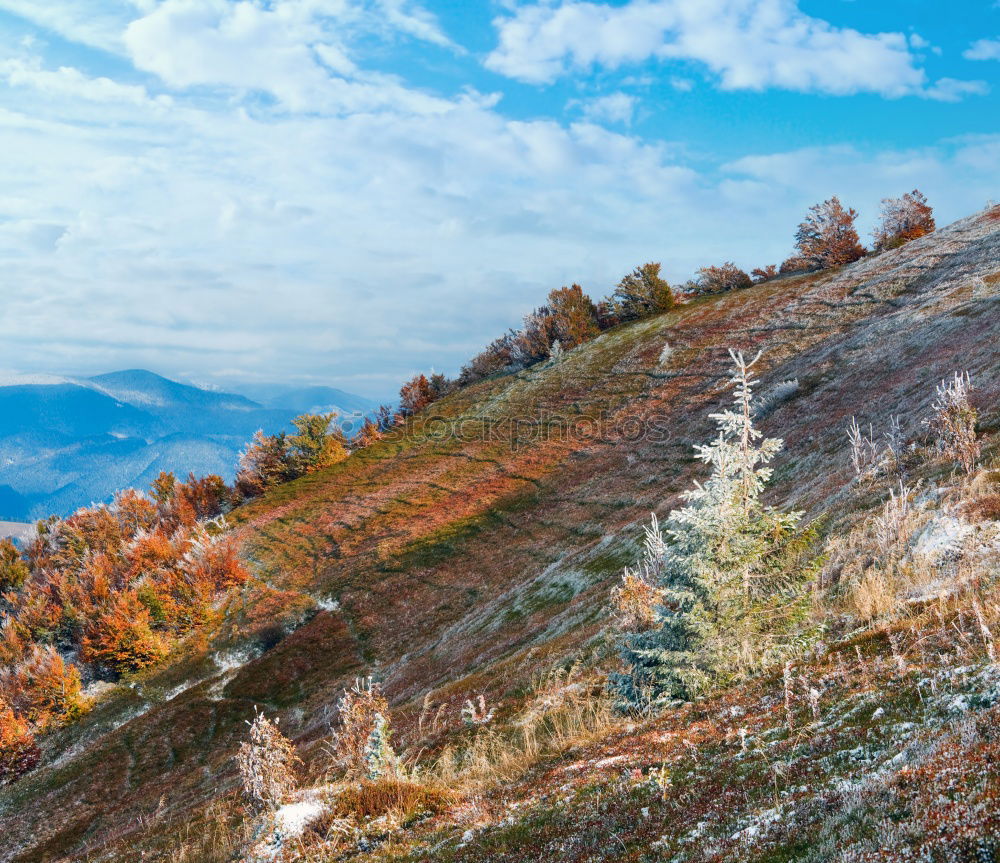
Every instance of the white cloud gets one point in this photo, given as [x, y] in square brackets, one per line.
[291, 50]
[945, 172]
[241, 45]
[612, 108]
[351, 226]
[415, 21]
[69, 82]
[953, 90]
[748, 44]
[983, 49]
[198, 238]
[97, 23]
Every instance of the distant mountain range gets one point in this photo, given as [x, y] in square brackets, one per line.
[67, 442]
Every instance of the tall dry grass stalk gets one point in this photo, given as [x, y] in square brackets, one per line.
[567, 709]
[216, 838]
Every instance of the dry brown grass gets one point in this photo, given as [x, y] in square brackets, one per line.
[985, 508]
[868, 565]
[567, 709]
[403, 799]
[216, 837]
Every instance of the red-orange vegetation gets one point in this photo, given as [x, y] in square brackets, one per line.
[205, 495]
[764, 274]
[43, 688]
[574, 315]
[726, 277]
[122, 637]
[217, 563]
[827, 237]
[903, 219]
[18, 750]
[415, 395]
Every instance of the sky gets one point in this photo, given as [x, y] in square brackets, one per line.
[347, 192]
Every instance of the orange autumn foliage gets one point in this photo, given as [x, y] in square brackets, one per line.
[18, 750]
[122, 637]
[827, 236]
[43, 688]
[903, 219]
[113, 587]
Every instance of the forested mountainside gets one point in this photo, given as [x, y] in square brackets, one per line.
[69, 442]
[467, 562]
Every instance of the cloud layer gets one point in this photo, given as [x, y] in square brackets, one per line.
[747, 44]
[255, 200]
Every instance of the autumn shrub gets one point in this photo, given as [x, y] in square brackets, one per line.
[717, 280]
[406, 798]
[207, 496]
[903, 219]
[13, 568]
[18, 751]
[827, 236]
[415, 395]
[108, 591]
[43, 688]
[797, 264]
[535, 339]
[641, 293]
[575, 315]
[496, 357]
[215, 562]
[318, 442]
[764, 274]
[149, 552]
[121, 638]
[264, 463]
[376, 425]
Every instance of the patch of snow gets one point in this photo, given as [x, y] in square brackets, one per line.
[97, 689]
[959, 704]
[179, 689]
[605, 762]
[287, 823]
[941, 539]
[327, 603]
[293, 818]
[13, 379]
[232, 659]
[759, 823]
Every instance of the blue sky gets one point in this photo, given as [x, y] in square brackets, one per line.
[349, 191]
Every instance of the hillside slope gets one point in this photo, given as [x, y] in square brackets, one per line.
[477, 548]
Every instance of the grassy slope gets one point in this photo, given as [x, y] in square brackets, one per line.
[463, 564]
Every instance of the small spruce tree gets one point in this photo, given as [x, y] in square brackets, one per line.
[723, 580]
[380, 759]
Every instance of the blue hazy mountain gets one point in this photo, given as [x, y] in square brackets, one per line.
[315, 399]
[68, 442]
